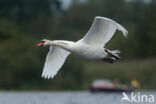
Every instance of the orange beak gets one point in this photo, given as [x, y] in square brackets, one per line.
[40, 44]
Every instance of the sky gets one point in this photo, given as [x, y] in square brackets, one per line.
[146, 1]
[67, 3]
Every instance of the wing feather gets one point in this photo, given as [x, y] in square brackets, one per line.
[101, 31]
[54, 61]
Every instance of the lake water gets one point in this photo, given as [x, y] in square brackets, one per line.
[67, 98]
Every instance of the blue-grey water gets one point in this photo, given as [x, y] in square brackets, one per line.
[83, 97]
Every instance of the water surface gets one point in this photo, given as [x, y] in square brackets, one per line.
[65, 98]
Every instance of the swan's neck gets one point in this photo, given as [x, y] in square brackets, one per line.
[61, 44]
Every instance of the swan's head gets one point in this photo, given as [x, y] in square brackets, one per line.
[44, 42]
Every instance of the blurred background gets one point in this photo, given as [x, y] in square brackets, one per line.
[23, 23]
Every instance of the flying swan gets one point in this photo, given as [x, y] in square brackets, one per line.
[91, 46]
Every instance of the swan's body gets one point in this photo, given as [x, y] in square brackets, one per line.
[91, 46]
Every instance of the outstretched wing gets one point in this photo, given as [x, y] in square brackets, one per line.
[54, 61]
[101, 31]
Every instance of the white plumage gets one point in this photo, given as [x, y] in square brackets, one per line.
[91, 46]
[102, 31]
[55, 59]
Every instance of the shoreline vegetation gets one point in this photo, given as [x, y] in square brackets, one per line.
[124, 71]
[142, 70]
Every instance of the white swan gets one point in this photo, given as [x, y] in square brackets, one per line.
[91, 46]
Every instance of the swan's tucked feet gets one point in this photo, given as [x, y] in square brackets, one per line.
[113, 53]
[112, 56]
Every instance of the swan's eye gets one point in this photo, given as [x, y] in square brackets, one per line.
[43, 41]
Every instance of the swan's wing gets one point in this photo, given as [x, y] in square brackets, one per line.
[54, 61]
[102, 31]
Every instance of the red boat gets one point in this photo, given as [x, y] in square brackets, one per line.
[105, 85]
